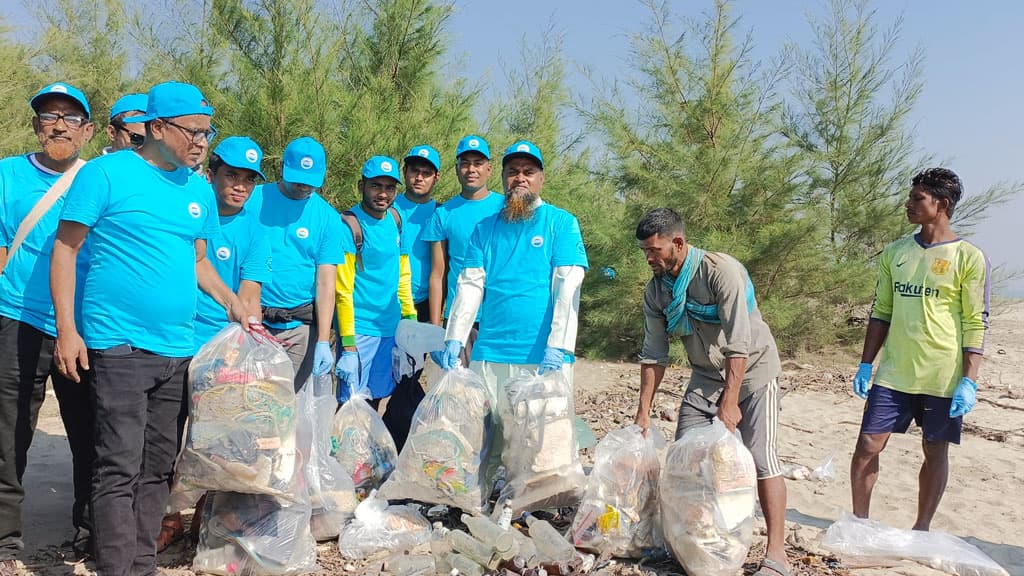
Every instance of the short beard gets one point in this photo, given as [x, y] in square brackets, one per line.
[519, 206]
[60, 151]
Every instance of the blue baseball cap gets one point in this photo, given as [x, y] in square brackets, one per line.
[61, 89]
[241, 152]
[171, 99]
[381, 166]
[523, 148]
[427, 153]
[305, 162]
[473, 143]
[129, 103]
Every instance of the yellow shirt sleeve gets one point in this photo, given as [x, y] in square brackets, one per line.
[974, 300]
[344, 301]
[881, 309]
[405, 287]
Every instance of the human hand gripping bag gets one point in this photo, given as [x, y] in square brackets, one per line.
[619, 512]
[542, 463]
[378, 527]
[708, 490]
[332, 495]
[242, 417]
[361, 443]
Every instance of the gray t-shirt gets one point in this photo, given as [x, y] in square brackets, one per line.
[720, 280]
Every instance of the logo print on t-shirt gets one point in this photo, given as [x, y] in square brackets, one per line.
[252, 155]
[302, 232]
[306, 163]
[223, 253]
[537, 241]
[940, 267]
[195, 210]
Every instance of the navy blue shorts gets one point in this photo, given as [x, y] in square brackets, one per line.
[888, 410]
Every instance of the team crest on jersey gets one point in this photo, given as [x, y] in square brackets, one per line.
[940, 266]
[537, 241]
[195, 210]
[302, 232]
[223, 253]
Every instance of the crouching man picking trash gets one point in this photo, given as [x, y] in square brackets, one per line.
[707, 299]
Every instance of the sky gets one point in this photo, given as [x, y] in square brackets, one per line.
[969, 115]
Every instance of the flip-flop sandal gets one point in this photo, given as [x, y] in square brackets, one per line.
[770, 567]
[171, 531]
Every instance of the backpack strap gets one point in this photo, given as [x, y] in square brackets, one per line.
[398, 218]
[352, 221]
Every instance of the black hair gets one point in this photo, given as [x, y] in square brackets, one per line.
[660, 221]
[420, 160]
[941, 183]
[215, 163]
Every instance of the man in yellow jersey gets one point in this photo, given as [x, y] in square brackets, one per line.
[930, 313]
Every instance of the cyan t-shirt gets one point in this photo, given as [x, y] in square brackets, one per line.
[240, 251]
[303, 234]
[375, 298]
[416, 219]
[454, 222]
[519, 259]
[141, 285]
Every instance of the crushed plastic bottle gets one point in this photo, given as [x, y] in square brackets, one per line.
[552, 546]
[492, 535]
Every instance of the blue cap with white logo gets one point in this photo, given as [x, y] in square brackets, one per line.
[523, 148]
[473, 143]
[241, 152]
[305, 162]
[427, 153]
[129, 103]
[61, 89]
[172, 99]
[381, 166]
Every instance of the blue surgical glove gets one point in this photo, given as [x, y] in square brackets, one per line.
[553, 359]
[347, 369]
[449, 359]
[862, 381]
[964, 397]
[323, 359]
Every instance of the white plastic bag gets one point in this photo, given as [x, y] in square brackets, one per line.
[708, 490]
[242, 418]
[379, 527]
[361, 443]
[619, 511]
[540, 457]
[441, 460]
[857, 537]
[413, 341]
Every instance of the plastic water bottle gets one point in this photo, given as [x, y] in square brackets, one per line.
[418, 338]
[492, 535]
[505, 520]
[551, 545]
[472, 549]
[463, 565]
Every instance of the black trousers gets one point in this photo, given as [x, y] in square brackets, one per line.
[26, 361]
[138, 398]
[408, 392]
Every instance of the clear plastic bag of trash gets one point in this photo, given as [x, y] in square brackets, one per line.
[361, 443]
[441, 462]
[378, 527]
[254, 534]
[862, 538]
[619, 511]
[332, 495]
[708, 489]
[540, 457]
[242, 417]
[826, 472]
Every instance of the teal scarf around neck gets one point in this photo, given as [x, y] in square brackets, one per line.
[681, 309]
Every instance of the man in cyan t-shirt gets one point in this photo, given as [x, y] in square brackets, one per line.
[27, 325]
[305, 234]
[929, 320]
[147, 220]
[374, 285]
[124, 135]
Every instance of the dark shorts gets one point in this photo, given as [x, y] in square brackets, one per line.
[888, 410]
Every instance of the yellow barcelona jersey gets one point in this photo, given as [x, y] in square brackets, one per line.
[935, 299]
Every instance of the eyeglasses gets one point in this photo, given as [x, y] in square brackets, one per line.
[196, 136]
[133, 137]
[71, 120]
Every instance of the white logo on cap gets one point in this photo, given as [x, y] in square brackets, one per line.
[252, 155]
[195, 210]
[536, 241]
[223, 253]
[302, 232]
[306, 163]
[385, 166]
[522, 148]
[59, 88]
[423, 152]
[473, 143]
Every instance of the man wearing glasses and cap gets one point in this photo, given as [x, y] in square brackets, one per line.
[306, 235]
[374, 285]
[27, 325]
[147, 220]
[123, 135]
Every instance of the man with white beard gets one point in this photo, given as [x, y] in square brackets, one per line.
[531, 259]
[27, 326]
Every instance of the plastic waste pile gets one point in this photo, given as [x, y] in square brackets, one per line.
[378, 526]
[361, 443]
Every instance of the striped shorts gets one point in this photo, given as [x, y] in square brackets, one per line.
[758, 427]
